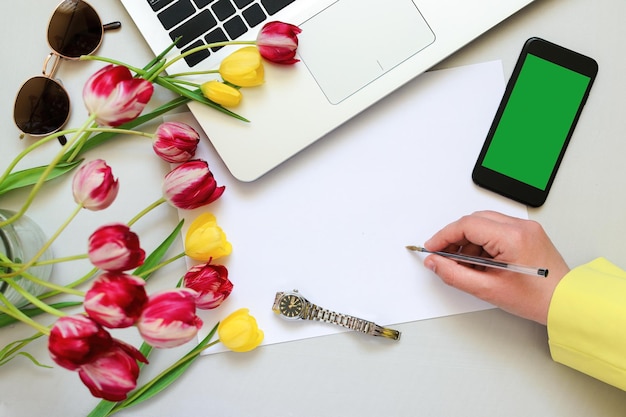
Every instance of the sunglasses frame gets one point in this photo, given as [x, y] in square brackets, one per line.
[50, 67]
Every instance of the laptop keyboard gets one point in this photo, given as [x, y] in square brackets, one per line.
[200, 22]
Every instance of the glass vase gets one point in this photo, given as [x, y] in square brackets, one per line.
[19, 242]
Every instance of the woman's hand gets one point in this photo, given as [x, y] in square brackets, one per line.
[507, 239]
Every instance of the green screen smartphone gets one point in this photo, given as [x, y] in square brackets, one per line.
[534, 122]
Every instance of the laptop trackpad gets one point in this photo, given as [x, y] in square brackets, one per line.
[353, 42]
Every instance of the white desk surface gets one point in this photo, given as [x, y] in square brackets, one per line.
[479, 364]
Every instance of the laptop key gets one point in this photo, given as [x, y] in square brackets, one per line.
[242, 3]
[254, 15]
[196, 57]
[159, 4]
[235, 27]
[193, 28]
[200, 4]
[274, 6]
[216, 35]
[223, 9]
[176, 13]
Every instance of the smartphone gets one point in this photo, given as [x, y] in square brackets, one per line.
[535, 121]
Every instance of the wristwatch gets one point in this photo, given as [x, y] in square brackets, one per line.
[291, 305]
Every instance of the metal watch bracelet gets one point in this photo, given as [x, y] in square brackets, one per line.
[315, 312]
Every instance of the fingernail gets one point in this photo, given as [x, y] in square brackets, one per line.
[428, 263]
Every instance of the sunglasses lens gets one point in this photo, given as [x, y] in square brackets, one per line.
[75, 29]
[42, 106]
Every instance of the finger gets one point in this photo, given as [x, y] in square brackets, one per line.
[472, 229]
[498, 217]
[472, 281]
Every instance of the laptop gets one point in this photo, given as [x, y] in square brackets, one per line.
[352, 52]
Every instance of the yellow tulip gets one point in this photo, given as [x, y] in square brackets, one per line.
[221, 93]
[240, 332]
[243, 68]
[205, 240]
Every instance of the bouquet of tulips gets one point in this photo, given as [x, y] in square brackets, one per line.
[114, 297]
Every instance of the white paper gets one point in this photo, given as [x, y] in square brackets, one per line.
[333, 222]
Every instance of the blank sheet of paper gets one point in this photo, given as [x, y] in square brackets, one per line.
[334, 221]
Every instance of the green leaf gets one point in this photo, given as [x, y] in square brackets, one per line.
[166, 378]
[30, 176]
[155, 257]
[5, 319]
[13, 349]
[196, 95]
[33, 360]
[103, 409]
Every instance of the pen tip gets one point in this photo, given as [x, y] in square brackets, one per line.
[415, 248]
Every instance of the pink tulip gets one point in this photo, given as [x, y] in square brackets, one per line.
[77, 340]
[115, 248]
[94, 186]
[210, 282]
[113, 374]
[191, 185]
[115, 300]
[175, 142]
[278, 42]
[169, 319]
[114, 96]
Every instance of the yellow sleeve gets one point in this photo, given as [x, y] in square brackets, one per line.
[587, 321]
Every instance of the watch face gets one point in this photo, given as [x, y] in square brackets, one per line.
[291, 306]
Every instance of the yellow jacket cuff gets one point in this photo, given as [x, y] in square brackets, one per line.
[587, 321]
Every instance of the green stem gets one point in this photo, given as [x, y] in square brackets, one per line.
[174, 81]
[10, 310]
[112, 61]
[133, 397]
[118, 131]
[44, 175]
[96, 129]
[192, 73]
[46, 246]
[33, 300]
[203, 47]
[146, 211]
[59, 288]
[102, 137]
[9, 264]
[31, 148]
[73, 284]
[161, 265]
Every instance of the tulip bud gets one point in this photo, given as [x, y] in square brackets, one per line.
[169, 318]
[278, 41]
[113, 374]
[221, 93]
[243, 68]
[114, 248]
[94, 186]
[240, 332]
[76, 340]
[191, 185]
[115, 300]
[114, 96]
[205, 240]
[175, 142]
[210, 282]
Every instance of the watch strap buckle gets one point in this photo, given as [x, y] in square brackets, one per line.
[381, 331]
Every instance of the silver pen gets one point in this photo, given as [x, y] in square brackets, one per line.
[488, 262]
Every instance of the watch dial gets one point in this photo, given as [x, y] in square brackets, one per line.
[291, 306]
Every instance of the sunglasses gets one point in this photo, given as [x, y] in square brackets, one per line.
[42, 105]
